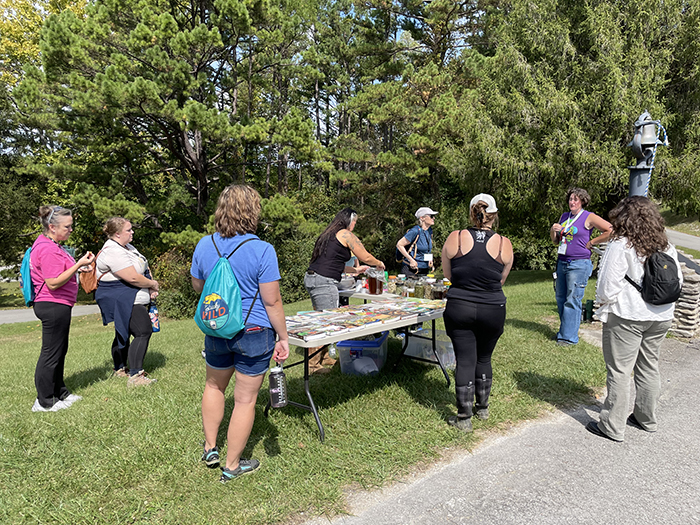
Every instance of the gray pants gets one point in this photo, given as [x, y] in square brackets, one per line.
[631, 346]
[323, 291]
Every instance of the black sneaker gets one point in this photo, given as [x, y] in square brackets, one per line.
[211, 457]
[245, 466]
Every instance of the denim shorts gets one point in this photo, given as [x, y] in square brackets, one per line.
[249, 351]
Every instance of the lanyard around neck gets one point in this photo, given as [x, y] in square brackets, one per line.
[568, 223]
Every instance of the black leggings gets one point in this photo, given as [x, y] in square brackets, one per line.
[140, 328]
[474, 329]
[55, 327]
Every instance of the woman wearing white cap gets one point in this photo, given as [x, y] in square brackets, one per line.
[477, 261]
[416, 246]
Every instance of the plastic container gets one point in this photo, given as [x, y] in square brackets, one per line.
[153, 314]
[359, 357]
[278, 387]
[423, 347]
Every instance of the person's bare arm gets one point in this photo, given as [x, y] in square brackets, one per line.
[401, 246]
[449, 250]
[601, 225]
[272, 300]
[134, 278]
[197, 284]
[350, 240]
[507, 258]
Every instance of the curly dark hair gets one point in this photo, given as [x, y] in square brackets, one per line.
[582, 195]
[638, 219]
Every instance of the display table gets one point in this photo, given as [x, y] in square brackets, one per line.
[365, 330]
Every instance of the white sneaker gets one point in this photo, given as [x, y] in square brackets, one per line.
[72, 398]
[59, 405]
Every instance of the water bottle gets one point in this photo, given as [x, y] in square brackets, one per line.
[278, 387]
[153, 314]
[333, 352]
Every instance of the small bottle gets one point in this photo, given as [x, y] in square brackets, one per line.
[333, 352]
[278, 387]
[153, 314]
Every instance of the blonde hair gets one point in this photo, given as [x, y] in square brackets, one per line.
[50, 215]
[114, 226]
[237, 211]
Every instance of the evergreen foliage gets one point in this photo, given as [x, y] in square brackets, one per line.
[149, 109]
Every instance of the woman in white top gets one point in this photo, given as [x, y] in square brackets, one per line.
[632, 329]
[124, 291]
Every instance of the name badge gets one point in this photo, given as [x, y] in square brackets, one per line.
[562, 248]
[428, 257]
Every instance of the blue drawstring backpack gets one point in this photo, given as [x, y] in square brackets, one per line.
[219, 311]
[25, 279]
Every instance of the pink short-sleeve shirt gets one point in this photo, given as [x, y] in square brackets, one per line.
[48, 260]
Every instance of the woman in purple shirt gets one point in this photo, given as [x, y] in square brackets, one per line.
[573, 235]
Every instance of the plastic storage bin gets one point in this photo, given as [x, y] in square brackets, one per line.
[359, 357]
[423, 347]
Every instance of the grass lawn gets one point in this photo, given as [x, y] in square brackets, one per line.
[133, 456]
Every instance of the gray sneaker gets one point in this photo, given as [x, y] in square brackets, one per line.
[59, 405]
[140, 379]
[245, 466]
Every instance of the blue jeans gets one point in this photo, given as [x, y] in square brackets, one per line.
[572, 277]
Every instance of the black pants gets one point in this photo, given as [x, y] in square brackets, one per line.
[134, 352]
[474, 329]
[55, 327]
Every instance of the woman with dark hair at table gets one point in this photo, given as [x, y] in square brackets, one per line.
[247, 355]
[633, 329]
[328, 262]
[477, 261]
[53, 272]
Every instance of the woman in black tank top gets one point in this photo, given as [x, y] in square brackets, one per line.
[477, 262]
[332, 250]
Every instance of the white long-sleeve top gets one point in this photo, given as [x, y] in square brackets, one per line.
[617, 296]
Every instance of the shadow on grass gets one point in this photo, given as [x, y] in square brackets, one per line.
[560, 392]
[532, 326]
[153, 361]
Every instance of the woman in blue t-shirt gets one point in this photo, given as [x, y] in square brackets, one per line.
[265, 336]
[416, 246]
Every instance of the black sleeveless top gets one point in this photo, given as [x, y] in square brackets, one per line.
[331, 263]
[476, 276]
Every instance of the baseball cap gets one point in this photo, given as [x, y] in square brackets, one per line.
[422, 212]
[488, 199]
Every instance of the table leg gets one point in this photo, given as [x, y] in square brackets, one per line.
[311, 407]
[436, 361]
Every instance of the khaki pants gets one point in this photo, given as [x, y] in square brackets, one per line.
[631, 346]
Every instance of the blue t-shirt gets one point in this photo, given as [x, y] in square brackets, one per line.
[424, 244]
[254, 263]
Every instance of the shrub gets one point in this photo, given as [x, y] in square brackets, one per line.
[176, 298]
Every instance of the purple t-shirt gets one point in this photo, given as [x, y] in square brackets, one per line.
[254, 263]
[48, 260]
[576, 236]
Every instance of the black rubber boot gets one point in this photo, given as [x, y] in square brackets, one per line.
[483, 391]
[465, 403]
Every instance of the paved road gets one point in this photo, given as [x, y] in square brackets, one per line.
[552, 471]
[683, 239]
[24, 315]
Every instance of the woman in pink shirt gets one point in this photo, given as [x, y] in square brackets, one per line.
[53, 272]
